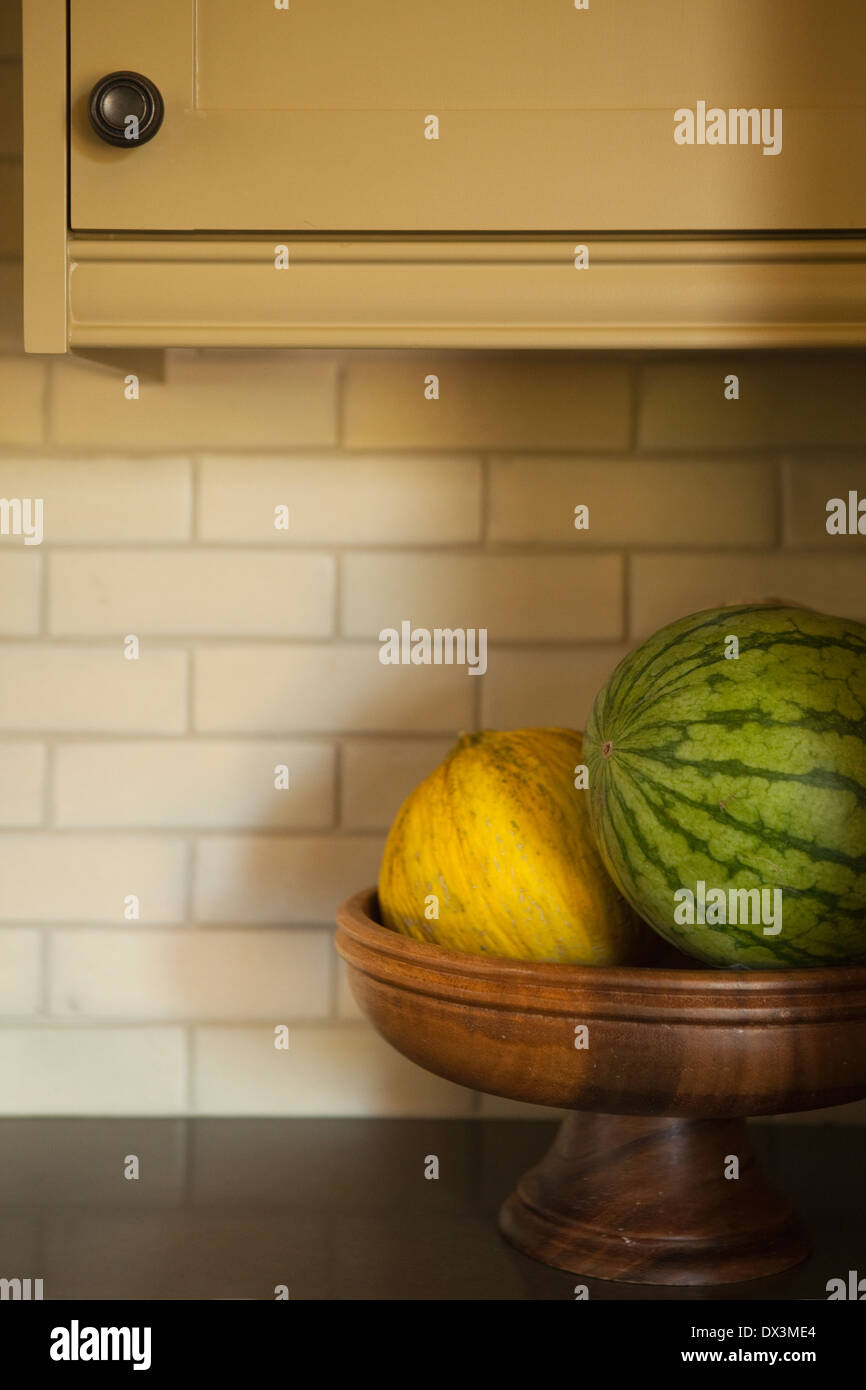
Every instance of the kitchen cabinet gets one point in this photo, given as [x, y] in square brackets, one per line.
[433, 170]
[550, 118]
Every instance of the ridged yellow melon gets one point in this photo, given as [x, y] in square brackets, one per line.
[497, 842]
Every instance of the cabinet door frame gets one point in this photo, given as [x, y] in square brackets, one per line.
[46, 179]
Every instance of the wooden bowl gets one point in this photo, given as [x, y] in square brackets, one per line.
[658, 1184]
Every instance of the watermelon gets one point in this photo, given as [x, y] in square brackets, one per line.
[720, 765]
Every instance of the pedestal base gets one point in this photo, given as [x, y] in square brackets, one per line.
[647, 1201]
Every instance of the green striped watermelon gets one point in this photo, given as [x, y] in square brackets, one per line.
[739, 773]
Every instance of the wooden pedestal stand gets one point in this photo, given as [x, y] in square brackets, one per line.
[640, 1189]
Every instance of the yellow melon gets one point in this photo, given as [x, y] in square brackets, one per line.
[493, 853]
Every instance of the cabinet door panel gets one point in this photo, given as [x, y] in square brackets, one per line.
[551, 119]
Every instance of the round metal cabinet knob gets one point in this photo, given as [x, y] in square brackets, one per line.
[121, 96]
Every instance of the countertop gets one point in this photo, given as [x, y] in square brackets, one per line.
[340, 1209]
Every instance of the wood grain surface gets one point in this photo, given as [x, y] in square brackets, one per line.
[661, 1186]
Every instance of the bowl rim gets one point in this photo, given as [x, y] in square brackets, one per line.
[357, 920]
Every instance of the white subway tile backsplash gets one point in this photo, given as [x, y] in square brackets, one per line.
[22, 776]
[92, 1071]
[526, 686]
[488, 401]
[345, 1069]
[201, 784]
[162, 976]
[361, 500]
[213, 400]
[665, 587]
[105, 498]
[281, 879]
[298, 688]
[20, 586]
[22, 400]
[813, 489]
[798, 400]
[91, 877]
[57, 687]
[516, 598]
[20, 972]
[643, 502]
[191, 592]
